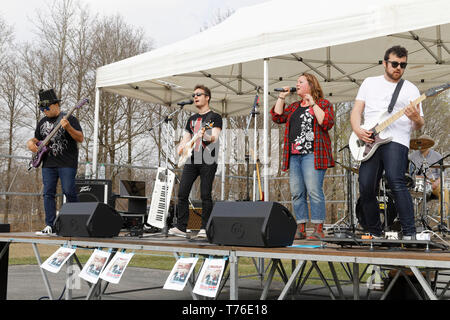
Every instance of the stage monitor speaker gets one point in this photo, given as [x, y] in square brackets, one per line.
[88, 219]
[253, 224]
[95, 190]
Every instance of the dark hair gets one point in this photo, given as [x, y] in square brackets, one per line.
[205, 89]
[397, 50]
[316, 90]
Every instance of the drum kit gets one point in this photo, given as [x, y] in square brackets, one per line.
[425, 189]
[419, 180]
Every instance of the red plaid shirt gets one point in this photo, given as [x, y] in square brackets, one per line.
[323, 157]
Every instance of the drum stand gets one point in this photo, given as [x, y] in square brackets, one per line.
[423, 168]
[442, 226]
[385, 207]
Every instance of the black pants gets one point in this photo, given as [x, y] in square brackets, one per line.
[188, 177]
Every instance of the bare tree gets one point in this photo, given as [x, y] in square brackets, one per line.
[12, 111]
[121, 119]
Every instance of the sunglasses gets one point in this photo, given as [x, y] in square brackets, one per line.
[46, 108]
[198, 94]
[395, 64]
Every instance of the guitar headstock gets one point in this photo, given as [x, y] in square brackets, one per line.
[436, 90]
[83, 102]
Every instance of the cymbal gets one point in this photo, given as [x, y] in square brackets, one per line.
[354, 170]
[421, 143]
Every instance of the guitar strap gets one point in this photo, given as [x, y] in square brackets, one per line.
[395, 95]
[58, 120]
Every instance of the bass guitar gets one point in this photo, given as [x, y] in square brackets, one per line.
[362, 151]
[186, 153]
[43, 147]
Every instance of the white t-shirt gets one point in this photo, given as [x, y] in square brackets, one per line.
[376, 92]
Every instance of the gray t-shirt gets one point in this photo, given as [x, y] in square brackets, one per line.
[417, 158]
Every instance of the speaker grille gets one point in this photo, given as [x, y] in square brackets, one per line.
[95, 190]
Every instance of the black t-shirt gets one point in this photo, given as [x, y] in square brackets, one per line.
[204, 152]
[301, 131]
[63, 151]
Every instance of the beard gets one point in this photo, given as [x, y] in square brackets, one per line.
[395, 75]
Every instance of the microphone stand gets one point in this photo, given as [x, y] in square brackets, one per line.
[349, 189]
[166, 120]
[253, 114]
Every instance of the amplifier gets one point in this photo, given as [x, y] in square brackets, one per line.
[132, 221]
[195, 219]
[95, 190]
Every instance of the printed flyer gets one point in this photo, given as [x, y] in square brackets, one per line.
[180, 274]
[94, 266]
[55, 262]
[116, 267]
[209, 279]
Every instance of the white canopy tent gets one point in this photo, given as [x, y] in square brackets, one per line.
[269, 45]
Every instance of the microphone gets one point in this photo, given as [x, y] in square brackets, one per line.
[183, 103]
[293, 89]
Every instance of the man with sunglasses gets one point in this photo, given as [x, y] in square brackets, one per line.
[203, 161]
[62, 159]
[373, 98]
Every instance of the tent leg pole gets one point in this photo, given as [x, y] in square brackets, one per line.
[96, 126]
[266, 128]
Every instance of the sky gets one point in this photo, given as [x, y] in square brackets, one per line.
[164, 21]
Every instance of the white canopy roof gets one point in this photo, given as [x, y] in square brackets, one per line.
[341, 42]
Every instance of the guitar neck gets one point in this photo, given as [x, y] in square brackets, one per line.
[57, 127]
[383, 125]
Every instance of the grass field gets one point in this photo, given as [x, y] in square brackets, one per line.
[23, 254]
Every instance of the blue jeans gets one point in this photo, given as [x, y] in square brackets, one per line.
[304, 180]
[50, 180]
[393, 159]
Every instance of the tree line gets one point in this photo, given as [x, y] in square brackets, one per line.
[71, 42]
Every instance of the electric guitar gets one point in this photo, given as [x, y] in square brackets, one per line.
[362, 151]
[186, 153]
[43, 148]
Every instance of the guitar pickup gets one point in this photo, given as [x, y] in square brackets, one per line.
[360, 143]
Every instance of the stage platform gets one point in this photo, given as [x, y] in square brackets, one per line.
[424, 262]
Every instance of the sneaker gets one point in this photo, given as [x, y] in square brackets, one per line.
[177, 232]
[371, 236]
[202, 234]
[409, 237]
[318, 233]
[300, 233]
[46, 231]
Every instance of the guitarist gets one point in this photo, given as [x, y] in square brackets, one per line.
[372, 100]
[203, 161]
[62, 159]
